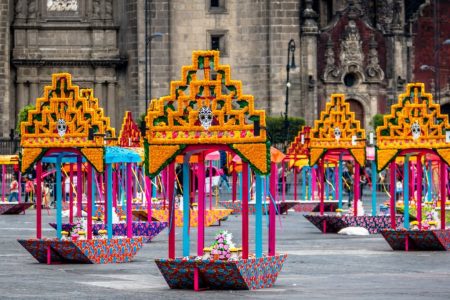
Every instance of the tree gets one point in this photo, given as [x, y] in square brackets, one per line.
[23, 115]
[377, 120]
[276, 128]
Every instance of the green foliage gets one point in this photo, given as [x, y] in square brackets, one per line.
[276, 128]
[376, 121]
[23, 115]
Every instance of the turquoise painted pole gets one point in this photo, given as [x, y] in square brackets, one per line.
[310, 184]
[186, 210]
[374, 188]
[430, 182]
[58, 198]
[153, 187]
[109, 199]
[406, 191]
[240, 182]
[258, 216]
[303, 191]
[340, 171]
[92, 179]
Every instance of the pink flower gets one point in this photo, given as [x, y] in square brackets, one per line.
[225, 247]
[220, 240]
[228, 255]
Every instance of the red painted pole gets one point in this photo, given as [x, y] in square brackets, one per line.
[295, 183]
[234, 183]
[392, 192]
[89, 202]
[39, 200]
[419, 190]
[321, 173]
[129, 196]
[356, 186]
[244, 210]
[170, 176]
[272, 211]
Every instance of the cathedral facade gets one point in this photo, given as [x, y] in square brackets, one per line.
[129, 51]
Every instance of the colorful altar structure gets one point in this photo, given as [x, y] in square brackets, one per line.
[196, 118]
[69, 126]
[337, 135]
[415, 130]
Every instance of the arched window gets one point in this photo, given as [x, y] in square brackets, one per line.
[357, 108]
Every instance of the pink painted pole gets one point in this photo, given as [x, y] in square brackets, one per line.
[39, 200]
[419, 190]
[170, 175]
[129, 196]
[164, 186]
[272, 211]
[210, 185]
[3, 182]
[79, 186]
[70, 193]
[356, 185]
[321, 177]
[115, 186]
[295, 183]
[19, 179]
[412, 179]
[443, 183]
[89, 202]
[201, 204]
[234, 183]
[392, 192]
[244, 210]
[314, 183]
[283, 183]
[148, 193]
[336, 181]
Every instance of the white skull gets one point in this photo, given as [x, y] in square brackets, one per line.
[61, 127]
[205, 115]
[337, 133]
[415, 130]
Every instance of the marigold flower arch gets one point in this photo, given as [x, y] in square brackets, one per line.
[78, 110]
[415, 106]
[173, 121]
[323, 137]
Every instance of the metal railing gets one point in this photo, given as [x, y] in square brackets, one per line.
[8, 146]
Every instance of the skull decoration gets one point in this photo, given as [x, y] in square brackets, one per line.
[61, 127]
[337, 133]
[415, 130]
[205, 115]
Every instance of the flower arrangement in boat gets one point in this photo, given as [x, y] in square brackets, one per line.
[221, 247]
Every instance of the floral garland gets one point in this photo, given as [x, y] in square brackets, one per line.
[222, 245]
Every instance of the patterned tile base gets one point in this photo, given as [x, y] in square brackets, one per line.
[246, 274]
[147, 230]
[425, 240]
[236, 206]
[211, 216]
[314, 206]
[13, 208]
[87, 252]
[374, 224]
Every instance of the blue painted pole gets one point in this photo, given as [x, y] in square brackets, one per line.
[430, 181]
[374, 188]
[310, 184]
[186, 210]
[109, 199]
[258, 216]
[58, 198]
[153, 187]
[340, 171]
[406, 192]
[303, 196]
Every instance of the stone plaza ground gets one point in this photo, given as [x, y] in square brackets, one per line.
[319, 266]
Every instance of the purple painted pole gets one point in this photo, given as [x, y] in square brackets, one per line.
[129, 196]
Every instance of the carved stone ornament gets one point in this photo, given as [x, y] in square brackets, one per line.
[373, 69]
[332, 72]
[351, 45]
[62, 5]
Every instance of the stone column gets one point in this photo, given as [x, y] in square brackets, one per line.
[308, 66]
[111, 103]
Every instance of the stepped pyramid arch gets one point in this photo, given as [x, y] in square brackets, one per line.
[65, 117]
[205, 107]
[299, 148]
[415, 122]
[130, 135]
[337, 129]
